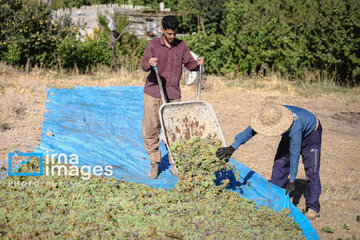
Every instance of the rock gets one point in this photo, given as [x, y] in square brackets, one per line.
[49, 133]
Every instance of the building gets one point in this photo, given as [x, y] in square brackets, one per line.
[144, 21]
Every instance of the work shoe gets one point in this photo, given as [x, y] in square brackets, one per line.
[154, 170]
[174, 170]
[311, 214]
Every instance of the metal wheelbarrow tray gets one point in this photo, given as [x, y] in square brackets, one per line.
[185, 120]
[188, 119]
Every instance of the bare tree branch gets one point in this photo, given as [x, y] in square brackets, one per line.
[123, 31]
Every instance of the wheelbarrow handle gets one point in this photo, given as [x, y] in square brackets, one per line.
[163, 99]
[199, 82]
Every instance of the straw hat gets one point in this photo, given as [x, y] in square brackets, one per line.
[272, 120]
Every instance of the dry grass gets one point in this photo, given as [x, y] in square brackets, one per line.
[313, 86]
[101, 76]
[346, 189]
[276, 84]
[13, 103]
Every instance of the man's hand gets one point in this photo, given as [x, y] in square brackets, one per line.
[153, 62]
[290, 187]
[200, 61]
[225, 152]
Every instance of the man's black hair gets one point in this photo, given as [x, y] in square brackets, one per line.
[170, 22]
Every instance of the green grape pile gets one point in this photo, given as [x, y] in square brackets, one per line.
[196, 162]
[63, 207]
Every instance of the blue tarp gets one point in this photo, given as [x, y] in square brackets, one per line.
[103, 126]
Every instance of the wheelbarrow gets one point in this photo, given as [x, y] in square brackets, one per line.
[188, 119]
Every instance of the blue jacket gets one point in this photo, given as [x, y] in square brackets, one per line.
[303, 125]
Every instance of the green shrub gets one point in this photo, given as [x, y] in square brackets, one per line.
[245, 38]
[83, 55]
[131, 51]
[93, 51]
[27, 32]
[334, 39]
[211, 47]
[290, 37]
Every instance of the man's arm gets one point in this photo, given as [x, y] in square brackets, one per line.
[189, 62]
[295, 148]
[243, 137]
[149, 53]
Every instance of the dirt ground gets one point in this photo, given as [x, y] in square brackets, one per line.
[23, 99]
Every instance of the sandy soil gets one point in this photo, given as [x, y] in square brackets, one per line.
[338, 113]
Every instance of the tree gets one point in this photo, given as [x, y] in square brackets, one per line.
[114, 36]
[114, 30]
[213, 12]
[26, 28]
[28, 34]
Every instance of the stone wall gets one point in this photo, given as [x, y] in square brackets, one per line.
[141, 23]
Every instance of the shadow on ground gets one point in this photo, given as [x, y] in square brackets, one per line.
[300, 188]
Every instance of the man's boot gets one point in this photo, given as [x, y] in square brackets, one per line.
[312, 214]
[154, 170]
[155, 159]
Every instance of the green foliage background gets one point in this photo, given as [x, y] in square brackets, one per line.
[27, 30]
[287, 36]
[247, 37]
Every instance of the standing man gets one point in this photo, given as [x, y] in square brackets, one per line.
[301, 134]
[168, 53]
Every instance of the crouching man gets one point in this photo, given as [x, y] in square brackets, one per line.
[301, 134]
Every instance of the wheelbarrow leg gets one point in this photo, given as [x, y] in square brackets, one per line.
[173, 168]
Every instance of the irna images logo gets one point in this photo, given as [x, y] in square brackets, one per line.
[31, 164]
[37, 157]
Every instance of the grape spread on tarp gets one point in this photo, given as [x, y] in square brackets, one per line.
[103, 126]
[196, 208]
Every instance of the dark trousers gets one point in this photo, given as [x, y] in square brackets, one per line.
[310, 152]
